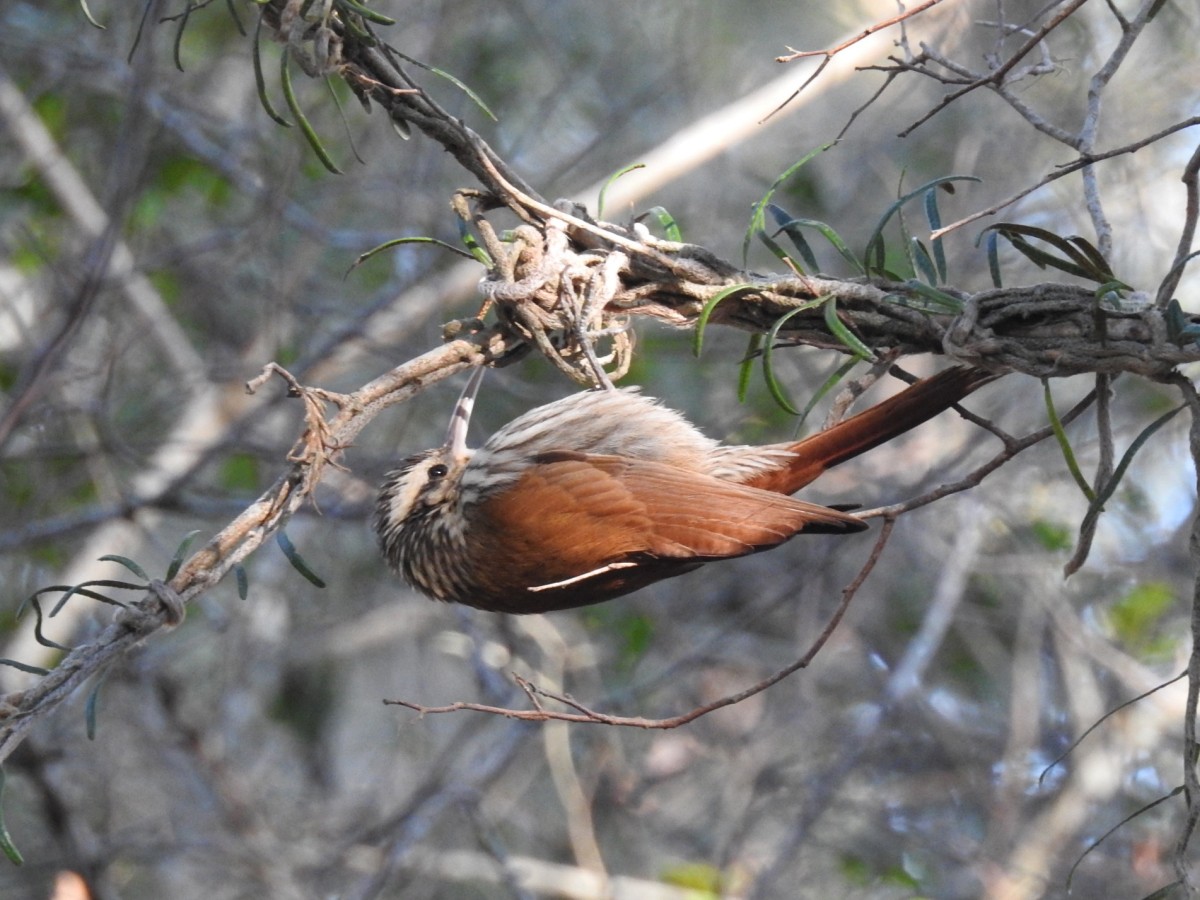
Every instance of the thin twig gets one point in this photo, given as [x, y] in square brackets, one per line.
[1183, 253]
[585, 715]
[1191, 747]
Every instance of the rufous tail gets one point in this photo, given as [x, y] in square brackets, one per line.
[872, 427]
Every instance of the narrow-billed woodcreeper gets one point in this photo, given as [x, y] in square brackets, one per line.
[604, 492]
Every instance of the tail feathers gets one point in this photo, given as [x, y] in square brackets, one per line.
[872, 427]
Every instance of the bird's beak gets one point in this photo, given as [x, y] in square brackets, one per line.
[456, 434]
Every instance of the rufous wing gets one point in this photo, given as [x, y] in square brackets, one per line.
[618, 524]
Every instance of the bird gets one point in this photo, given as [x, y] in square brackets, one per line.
[604, 492]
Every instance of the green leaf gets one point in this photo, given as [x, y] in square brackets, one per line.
[706, 312]
[1078, 257]
[773, 385]
[6, 842]
[475, 98]
[462, 86]
[24, 667]
[611, 178]
[369, 14]
[746, 367]
[993, 257]
[243, 581]
[260, 80]
[777, 251]
[310, 133]
[90, 710]
[127, 563]
[388, 245]
[1064, 443]
[180, 554]
[828, 385]
[83, 589]
[476, 249]
[839, 330]
[791, 227]
[934, 216]
[922, 261]
[756, 216]
[289, 550]
[939, 300]
[875, 243]
[37, 628]
[668, 224]
[337, 103]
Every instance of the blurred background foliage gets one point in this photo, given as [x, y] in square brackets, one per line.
[247, 753]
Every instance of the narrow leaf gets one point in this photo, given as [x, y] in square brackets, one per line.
[792, 228]
[1078, 257]
[829, 384]
[337, 103]
[180, 554]
[756, 216]
[993, 258]
[388, 245]
[1064, 443]
[777, 251]
[260, 80]
[473, 246]
[611, 178]
[87, 14]
[462, 86]
[24, 667]
[475, 98]
[90, 710]
[367, 13]
[310, 133]
[37, 629]
[1104, 718]
[746, 368]
[127, 563]
[1094, 256]
[874, 253]
[6, 842]
[938, 298]
[243, 581]
[768, 366]
[839, 330]
[773, 385]
[934, 216]
[289, 550]
[237, 19]
[702, 320]
[84, 590]
[667, 222]
[922, 261]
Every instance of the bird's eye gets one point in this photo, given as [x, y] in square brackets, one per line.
[438, 471]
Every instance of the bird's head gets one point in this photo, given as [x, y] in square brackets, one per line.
[426, 483]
